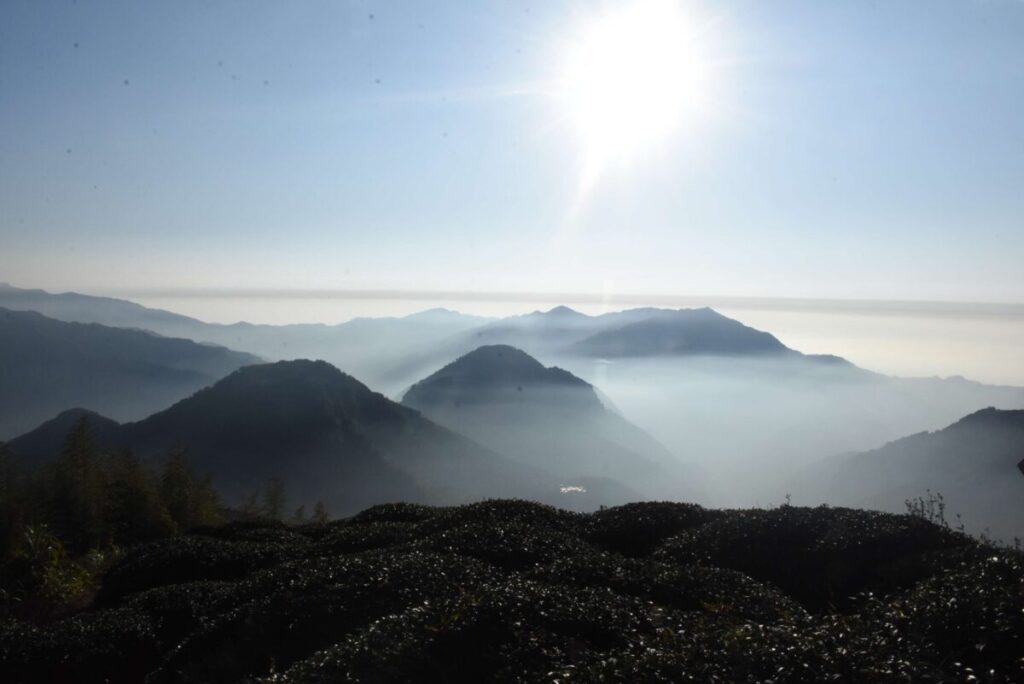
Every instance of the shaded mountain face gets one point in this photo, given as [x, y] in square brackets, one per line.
[48, 366]
[325, 434]
[973, 464]
[546, 418]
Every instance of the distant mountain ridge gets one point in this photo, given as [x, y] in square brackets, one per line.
[374, 349]
[48, 366]
[687, 331]
[72, 307]
[388, 352]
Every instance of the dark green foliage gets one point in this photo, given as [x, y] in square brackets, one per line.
[304, 605]
[112, 645]
[15, 502]
[822, 556]
[76, 505]
[637, 529]
[508, 512]
[683, 587]
[396, 512]
[320, 514]
[135, 510]
[509, 630]
[273, 499]
[513, 591]
[190, 501]
[63, 523]
[190, 559]
[348, 538]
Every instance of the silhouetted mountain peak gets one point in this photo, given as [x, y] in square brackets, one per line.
[46, 441]
[491, 356]
[991, 417]
[562, 311]
[304, 371]
[499, 374]
[281, 402]
[493, 367]
[73, 415]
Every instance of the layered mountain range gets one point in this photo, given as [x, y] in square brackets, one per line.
[323, 433]
[725, 414]
[48, 365]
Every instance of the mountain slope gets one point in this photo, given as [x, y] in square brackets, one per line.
[47, 366]
[972, 463]
[325, 434]
[544, 417]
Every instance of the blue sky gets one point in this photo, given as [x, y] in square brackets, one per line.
[850, 150]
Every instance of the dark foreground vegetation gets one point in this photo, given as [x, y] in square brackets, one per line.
[516, 591]
[65, 521]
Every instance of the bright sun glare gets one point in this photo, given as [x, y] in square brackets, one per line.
[631, 74]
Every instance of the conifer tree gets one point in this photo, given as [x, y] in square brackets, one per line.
[77, 503]
[15, 503]
[273, 499]
[320, 515]
[189, 501]
[135, 510]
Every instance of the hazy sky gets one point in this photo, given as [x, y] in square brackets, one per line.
[831, 149]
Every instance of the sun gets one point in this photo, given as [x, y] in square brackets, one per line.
[631, 77]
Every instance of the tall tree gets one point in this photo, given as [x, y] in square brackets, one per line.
[135, 510]
[77, 504]
[189, 501]
[15, 503]
[273, 499]
[320, 515]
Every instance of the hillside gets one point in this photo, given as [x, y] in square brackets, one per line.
[322, 432]
[48, 366]
[511, 591]
[546, 418]
[972, 463]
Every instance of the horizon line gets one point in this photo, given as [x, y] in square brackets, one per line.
[766, 303]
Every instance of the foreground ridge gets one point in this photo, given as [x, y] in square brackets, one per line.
[510, 590]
